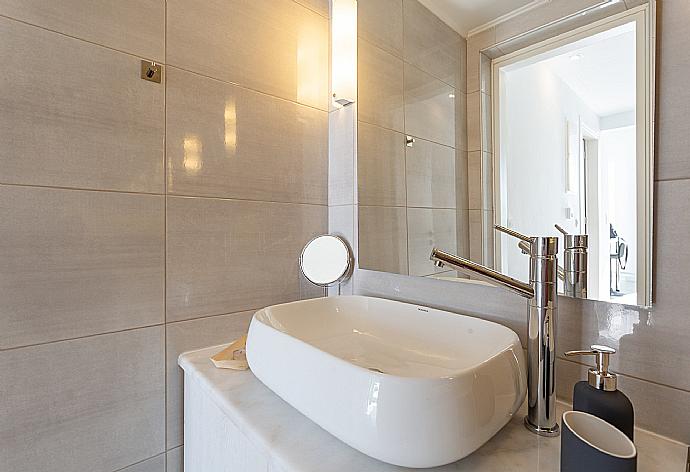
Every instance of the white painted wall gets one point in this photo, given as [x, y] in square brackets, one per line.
[617, 152]
[535, 106]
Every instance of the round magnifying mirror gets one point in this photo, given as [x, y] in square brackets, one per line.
[326, 260]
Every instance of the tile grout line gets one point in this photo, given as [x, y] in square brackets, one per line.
[77, 38]
[163, 63]
[173, 195]
[77, 338]
[140, 462]
[639, 379]
[412, 135]
[405, 61]
[124, 330]
[245, 87]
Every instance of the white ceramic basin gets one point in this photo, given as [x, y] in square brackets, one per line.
[405, 384]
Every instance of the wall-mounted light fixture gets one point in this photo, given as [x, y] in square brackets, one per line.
[344, 51]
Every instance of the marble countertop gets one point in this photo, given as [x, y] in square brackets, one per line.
[296, 444]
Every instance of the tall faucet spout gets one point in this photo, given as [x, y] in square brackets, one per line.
[482, 272]
[542, 314]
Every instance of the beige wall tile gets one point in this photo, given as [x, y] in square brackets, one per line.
[474, 179]
[463, 233]
[133, 26]
[381, 23]
[461, 180]
[380, 87]
[432, 45]
[187, 336]
[429, 107]
[673, 93]
[383, 239]
[68, 125]
[475, 44]
[487, 181]
[274, 46]
[475, 235]
[430, 174]
[551, 11]
[380, 166]
[322, 7]
[77, 263]
[226, 141]
[429, 228]
[175, 460]
[460, 120]
[155, 464]
[474, 122]
[96, 403]
[226, 256]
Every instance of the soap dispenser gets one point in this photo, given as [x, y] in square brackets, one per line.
[599, 394]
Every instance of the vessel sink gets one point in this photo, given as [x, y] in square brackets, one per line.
[405, 384]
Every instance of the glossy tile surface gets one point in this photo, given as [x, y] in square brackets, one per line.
[474, 122]
[380, 166]
[474, 179]
[97, 258]
[432, 45]
[673, 94]
[75, 126]
[380, 22]
[429, 228]
[175, 460]
[429, 107]
[133, 26]
[273, 46]
[226, 256]
[321, 7]
[61, 410]
[383, 239]
[186, 336]
[550, 11]
[461, 180]
[430, 174]
[155, 464]
[226, 141]
[380, 87]
[476, 43]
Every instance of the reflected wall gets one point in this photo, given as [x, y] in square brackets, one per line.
[411, 138]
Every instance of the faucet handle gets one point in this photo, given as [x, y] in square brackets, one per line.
[562, 231]
[525, 243]
[513, 233]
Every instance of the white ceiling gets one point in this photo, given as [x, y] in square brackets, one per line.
[467, 15]
[604, 75]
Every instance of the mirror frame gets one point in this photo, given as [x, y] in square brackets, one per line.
[645, 71]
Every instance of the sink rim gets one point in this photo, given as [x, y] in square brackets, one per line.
[260, 316]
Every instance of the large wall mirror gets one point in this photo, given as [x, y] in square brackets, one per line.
[534, 115]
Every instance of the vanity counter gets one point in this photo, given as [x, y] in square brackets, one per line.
[232, 416]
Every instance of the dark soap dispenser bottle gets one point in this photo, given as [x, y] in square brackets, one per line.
[599, 394]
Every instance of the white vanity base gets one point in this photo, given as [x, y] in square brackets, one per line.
[233, 423]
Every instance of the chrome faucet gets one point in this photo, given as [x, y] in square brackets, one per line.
[574, 270]
[542, 293]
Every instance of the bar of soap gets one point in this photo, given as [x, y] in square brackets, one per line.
[232, 357]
